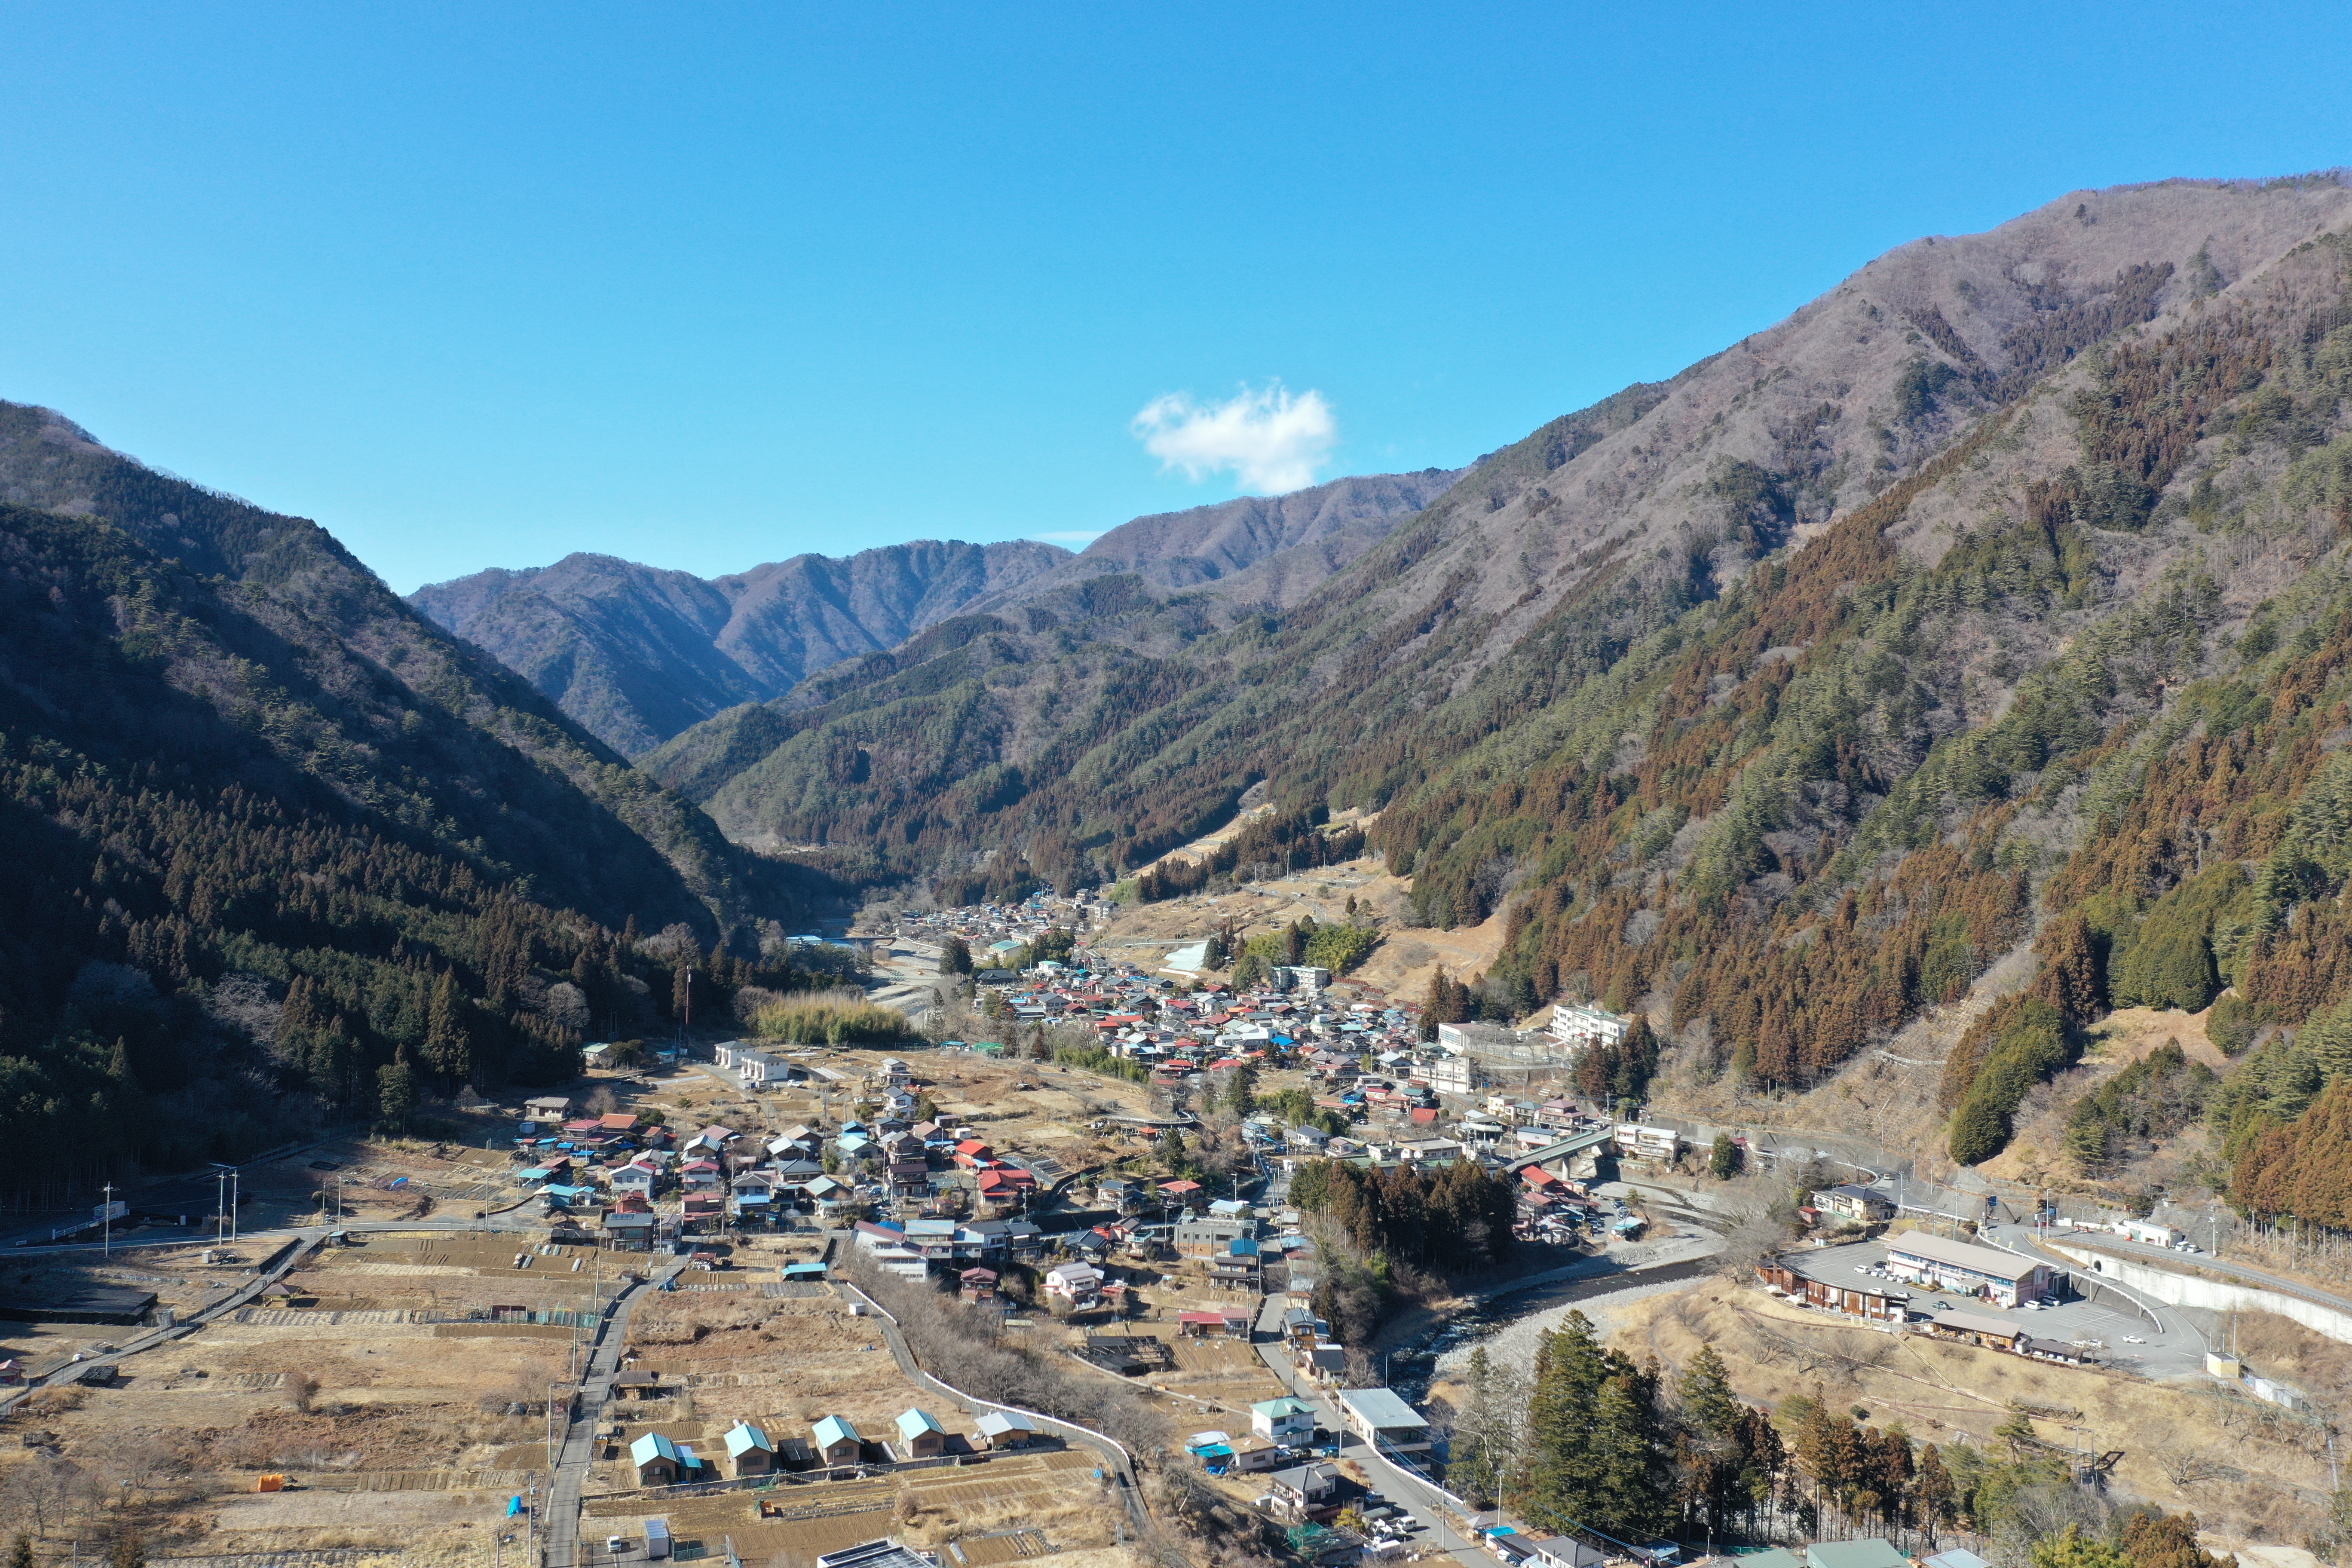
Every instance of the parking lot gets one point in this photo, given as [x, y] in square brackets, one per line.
[2104, 1323]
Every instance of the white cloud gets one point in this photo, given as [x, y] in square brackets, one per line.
[1271, 440]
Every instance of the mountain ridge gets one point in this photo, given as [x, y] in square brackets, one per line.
[635, 653]
[639, 653]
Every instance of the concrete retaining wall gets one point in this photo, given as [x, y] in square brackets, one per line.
[2201, 1291]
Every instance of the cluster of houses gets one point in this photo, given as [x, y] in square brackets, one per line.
[995, 933]
[833, 1443]
[634, 1185]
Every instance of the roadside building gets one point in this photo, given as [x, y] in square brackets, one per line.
[1870, 1551]
[1305, 1491]
[1564, 1552]
[1949, 1265]
[1383, 1419]
[1864, 1205]
[1977, 1329]
[1840, 1294]
[1007, 1429]
[1284, 1420]
[1212, 1236]
[661, 1463]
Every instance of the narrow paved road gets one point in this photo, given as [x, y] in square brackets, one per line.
[1401, 1488]
[2181, 1263]
[578, 1448]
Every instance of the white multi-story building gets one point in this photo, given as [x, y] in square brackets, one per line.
[1448, 1074]
[1580, 1028]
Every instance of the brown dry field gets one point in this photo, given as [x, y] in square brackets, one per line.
[1051, 1491]
[2247, 1473]
[783, 1364]
[1144, 934]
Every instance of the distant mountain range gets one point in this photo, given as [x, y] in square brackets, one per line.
[636, 654]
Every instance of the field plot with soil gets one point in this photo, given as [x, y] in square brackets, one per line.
[398, 1427]
[1051, 1492]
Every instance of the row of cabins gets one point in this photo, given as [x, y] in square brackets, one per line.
[832, 1442]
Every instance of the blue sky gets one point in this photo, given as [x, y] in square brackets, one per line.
[707, 286]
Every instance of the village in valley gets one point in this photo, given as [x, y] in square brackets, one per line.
[1076, 1271]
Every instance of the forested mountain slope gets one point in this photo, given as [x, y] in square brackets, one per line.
[2000, 592]
[239, 776]
[636, 654]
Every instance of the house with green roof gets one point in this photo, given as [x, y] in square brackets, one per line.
[920, 1436]
[749, 1451]
[661, 1463]
[837, 1442]
[1283, 1420]
[1871, 1552]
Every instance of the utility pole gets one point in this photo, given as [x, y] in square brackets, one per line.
[107, 1245]
[220, 1205]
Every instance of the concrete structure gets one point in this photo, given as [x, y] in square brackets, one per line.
[1647, 1142]
[1463, 1039]
[2159, 1279]
[1449, 1074]
[1948, 1265]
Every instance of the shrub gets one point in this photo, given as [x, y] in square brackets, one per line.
[842, 1018]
